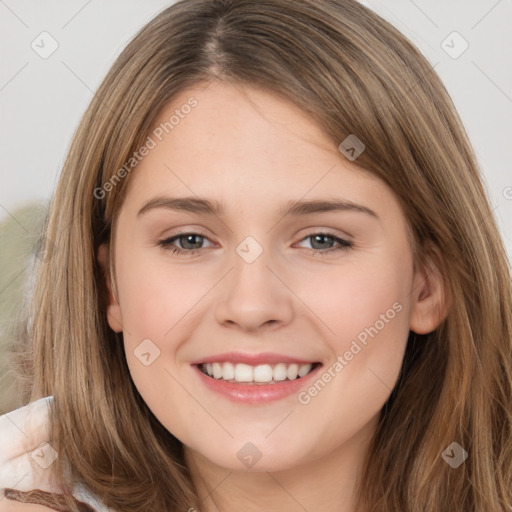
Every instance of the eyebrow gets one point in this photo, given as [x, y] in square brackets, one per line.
[294, 208]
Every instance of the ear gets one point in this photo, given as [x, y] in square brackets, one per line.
[430, 304]
[114, 317]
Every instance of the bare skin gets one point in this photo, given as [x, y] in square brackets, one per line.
[254, 153]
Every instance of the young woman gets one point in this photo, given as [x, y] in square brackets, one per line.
[273, 282]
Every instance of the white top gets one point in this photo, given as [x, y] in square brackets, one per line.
[26, 455]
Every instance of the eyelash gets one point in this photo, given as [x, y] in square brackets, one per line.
[343, 244]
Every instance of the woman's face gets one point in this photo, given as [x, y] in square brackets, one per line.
[306, 261]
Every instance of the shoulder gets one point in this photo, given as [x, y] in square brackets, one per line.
[24, 429]
[26, 457]
[25, 449]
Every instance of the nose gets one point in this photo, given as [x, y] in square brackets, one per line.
[254, 296]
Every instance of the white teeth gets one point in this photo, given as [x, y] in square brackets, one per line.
[243, 373]
[263, 373]
[304, 369]
[228, 371]
[292, 371]
[217, 371]
[280, 371]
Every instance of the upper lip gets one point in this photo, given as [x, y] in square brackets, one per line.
[251, 359]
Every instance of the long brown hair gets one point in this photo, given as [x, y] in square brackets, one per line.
[355, 74]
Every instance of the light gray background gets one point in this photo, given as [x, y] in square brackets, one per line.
[42, 100]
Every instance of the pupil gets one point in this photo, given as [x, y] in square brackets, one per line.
[322, 240]
[190, 238]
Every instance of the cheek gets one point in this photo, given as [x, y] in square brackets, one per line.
[155, 296]
[158, 305]
[363, 310]
[163, 303]
[350, 300]
[366, 311]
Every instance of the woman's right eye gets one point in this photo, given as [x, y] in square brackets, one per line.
[184, 239]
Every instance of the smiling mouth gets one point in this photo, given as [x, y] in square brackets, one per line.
[263, 374]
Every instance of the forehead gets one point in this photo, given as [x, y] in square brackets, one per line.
[238, 122]
[248, 148]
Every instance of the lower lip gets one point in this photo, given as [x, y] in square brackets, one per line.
[256, 393]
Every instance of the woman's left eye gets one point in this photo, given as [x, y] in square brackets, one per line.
[320, 239]
[195, 239]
